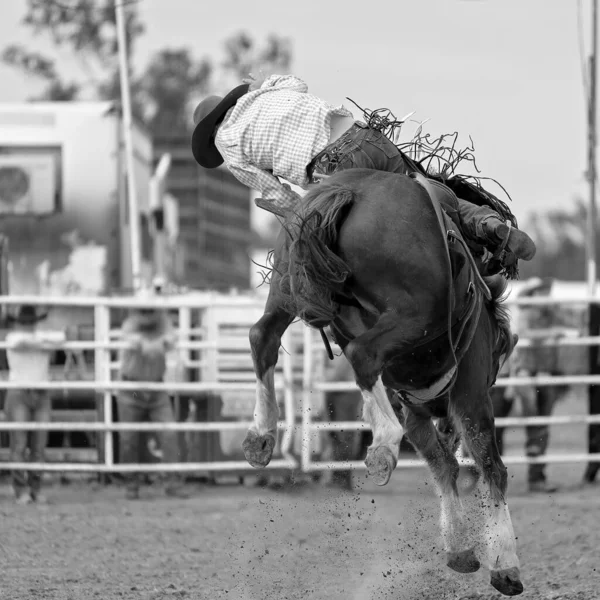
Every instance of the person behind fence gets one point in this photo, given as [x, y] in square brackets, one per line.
[148, 336]
[28, 354]
[273, 128]
[538, 324]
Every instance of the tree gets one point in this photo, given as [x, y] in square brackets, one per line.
[86, 27]
[243, 56]
[168, 84]
[162, 95]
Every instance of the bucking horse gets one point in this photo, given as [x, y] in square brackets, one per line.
[374, 259]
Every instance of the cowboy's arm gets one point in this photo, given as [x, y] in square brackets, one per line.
[267, 184]
[169, 338]
[130, 334]
[52, 344]
[170, 341]
[285, 81]
[36, 342]
[18, 341]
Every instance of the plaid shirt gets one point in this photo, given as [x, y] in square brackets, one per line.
[275, 131]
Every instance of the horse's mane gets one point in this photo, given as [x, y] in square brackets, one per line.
[500, 313]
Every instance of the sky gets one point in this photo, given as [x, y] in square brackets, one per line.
[508, 73]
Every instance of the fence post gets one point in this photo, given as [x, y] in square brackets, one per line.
[185, 356]
[102, 373]
[593, 394]
[210, 325]
[288, 395]
[185, 326]
[307, 384]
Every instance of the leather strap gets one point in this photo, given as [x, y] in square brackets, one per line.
[475, 298]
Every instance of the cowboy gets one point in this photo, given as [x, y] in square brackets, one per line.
[538, 324]
[28, 355]
[148, 336]
[264, 130]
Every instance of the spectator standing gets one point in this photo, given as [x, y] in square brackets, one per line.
[148, 336]
[28, 353]
[536, 323]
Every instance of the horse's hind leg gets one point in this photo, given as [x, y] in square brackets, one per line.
[265, 339]
[486, 501]
[459, 545]
[366, 354]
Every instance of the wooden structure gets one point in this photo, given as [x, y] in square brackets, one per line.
[214, 219]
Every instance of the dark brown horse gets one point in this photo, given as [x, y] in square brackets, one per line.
[367, 256]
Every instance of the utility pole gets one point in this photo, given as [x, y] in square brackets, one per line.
[594, 311]
[592, 215]
[134, 219]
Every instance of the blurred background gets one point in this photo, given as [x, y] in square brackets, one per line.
[515, 79]
[94, 206]
[512, 75]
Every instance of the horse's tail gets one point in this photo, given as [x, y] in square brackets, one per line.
[316, 275]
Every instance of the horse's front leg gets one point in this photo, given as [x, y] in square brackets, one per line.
[366, 355]
[265, 339]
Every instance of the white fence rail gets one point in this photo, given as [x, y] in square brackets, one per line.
[296, 391]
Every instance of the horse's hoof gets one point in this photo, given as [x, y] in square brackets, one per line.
[463, 562]
[507, 581]
[380, 463]
[258, 449]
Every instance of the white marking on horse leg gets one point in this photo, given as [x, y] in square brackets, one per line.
[452, 523]
[456, 534]
[490, 521]
[500, 538]
[266, 411]
[378, 412]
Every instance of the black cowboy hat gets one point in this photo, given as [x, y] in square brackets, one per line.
[208, 114]
[27, 315]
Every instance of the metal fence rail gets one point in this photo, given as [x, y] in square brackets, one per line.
[294, 392]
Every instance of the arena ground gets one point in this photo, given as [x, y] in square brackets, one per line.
[308, 542]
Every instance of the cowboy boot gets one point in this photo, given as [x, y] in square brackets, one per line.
[518, 242]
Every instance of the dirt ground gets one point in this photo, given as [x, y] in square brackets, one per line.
[308, 542]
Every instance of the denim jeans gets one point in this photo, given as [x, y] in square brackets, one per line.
[139, 407]
[539, 402]
[535, 402]
[34, 406]
[362, 147]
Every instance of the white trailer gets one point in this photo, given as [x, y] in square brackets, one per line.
[63, 197]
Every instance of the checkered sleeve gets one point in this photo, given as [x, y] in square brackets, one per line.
[290, 82]
[272, 190]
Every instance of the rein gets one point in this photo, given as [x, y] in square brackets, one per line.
[475, 298]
